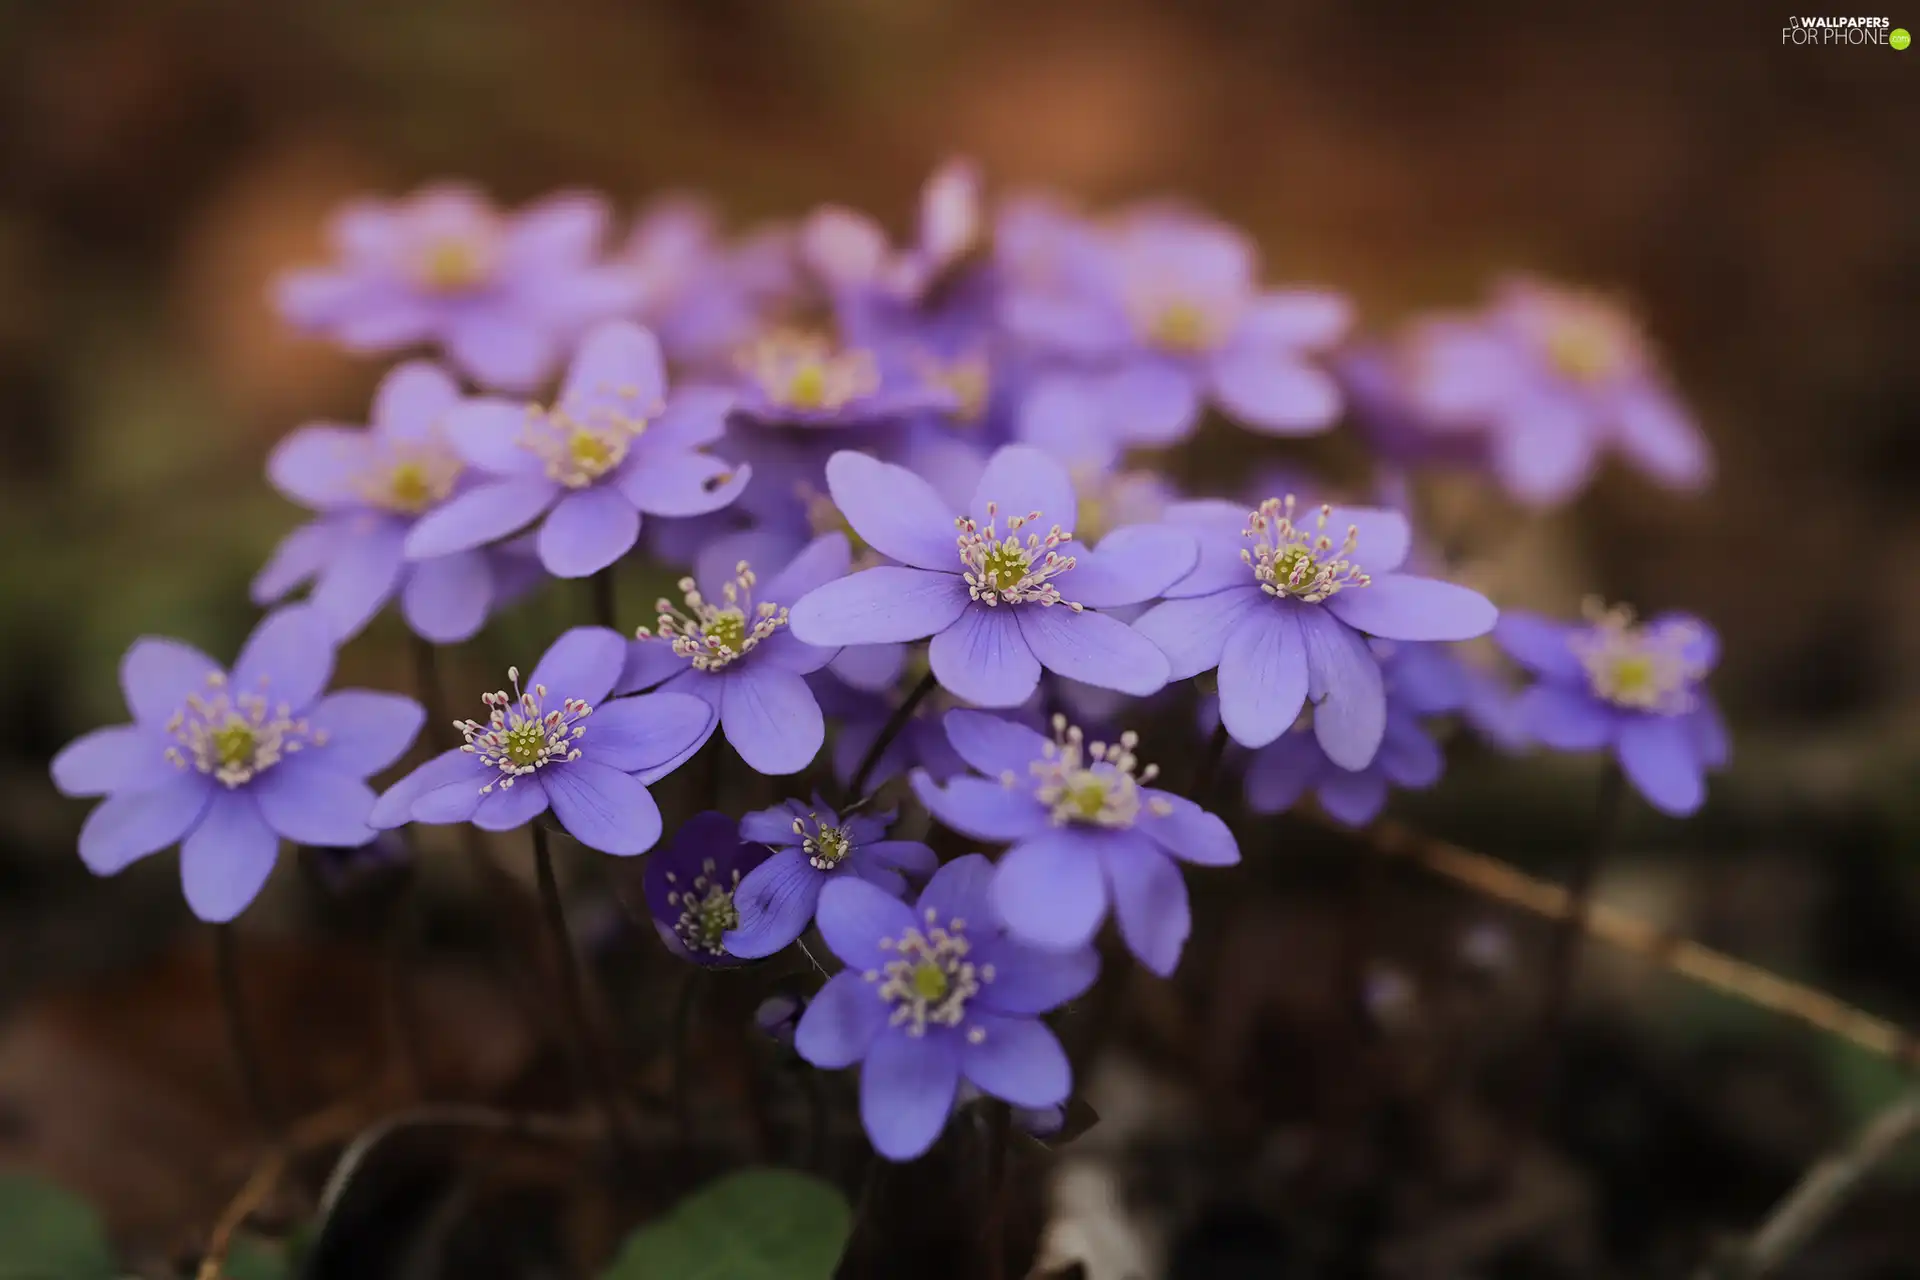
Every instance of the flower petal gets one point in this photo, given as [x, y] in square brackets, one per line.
[985, 809]
[121, 757]
[411, 400]
[1653, 431]
[1092, 648]
[486, 432]
[446, 599]
[501, 350]
[776, 901]
[1398, 606]
[984, 659]
[126, 827]
[603, 808]
[299, 556]
[587, 530]
[1017, 1060]
[819, 562]
[909, 857]
[1344, 680]
[395, 806]
[1350, 797]
[770, 718]
[441, 797]
[481, 515]
[321, 467]
[1263, 675]
[360, 577]
[853, 916]
[695, 416]
[1544, 451]
[638, 734]
[1274, 392]
[681, 484]
[1566, 719]
[893, 510]
[1382, 538]
[365, 731]
[1187, 831]
[227, 858]
[993, 744]
[289, 656]
[618, 365]
[1218, 527]
[1132, 564]
[1296, 318]
[841, 1022]
[649, 662]
[1539, 644]
[907, 1088]
[958, 891]
[872, 668]
[1149, 901]
[157, 675]
[1194, 632]
[1658, 756]
[583, 663]
[505, 808]
[877, 606]
[1151, 403]
[1049, 890]
[1281, 772]
[308, 803]
[1028, 980]
[1020, 480]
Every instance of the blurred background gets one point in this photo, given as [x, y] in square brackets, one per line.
[162, 160]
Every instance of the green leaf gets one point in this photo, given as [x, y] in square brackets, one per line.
[48, 1234]
[256, 1260]
[758, 1224]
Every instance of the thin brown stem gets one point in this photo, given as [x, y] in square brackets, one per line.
[589, 1069]
[857, 787]
[605, 599]
[246, 1055]
[1207, 776]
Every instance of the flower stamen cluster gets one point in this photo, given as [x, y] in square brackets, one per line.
[969, 379]
[577, 450]
[1298, 562]
[803, 371]
[453, 263]
[1095, 783]
[1636, 667]
[1585, 340]
[411, 476]
[521, 735]
[825, 846]
[713, 635]
[707, 910]
[1007, 570]
[235, 736]
[931, 982]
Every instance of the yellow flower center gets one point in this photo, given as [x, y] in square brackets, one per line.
[929, 981]
[1584, 348]
[1181, 326]
[1005, 564]
[453, 264]
[233, 743]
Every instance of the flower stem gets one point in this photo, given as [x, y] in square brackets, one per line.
[604, 599]
[1207, 776]
[426, 679]
[994, 1232]
[685, 1005]
[888, 732]
[588, 1067]
[226, 963]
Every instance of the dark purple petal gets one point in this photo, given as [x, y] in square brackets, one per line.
[907, 1089]
[1343, 679]
[1282, 771]
[853, 916]
[1021, 480]
[776, 901]
[993, 744]
[958, 891]
[122, 757]
[1027, 980]
[1017, 1060]
[878, 606]
[481, 515]
[321, 467]
[1263, 675]
[1193, 633]
[583, 663]
[157, 675]
[1566, 719]
[506, 808]
[1132, 565]
[289, 656]
[126, 827]
[819, 562]
[395, 806]
[618, 365]
[986, 809]
[1658, 755]
[502, 351]
[638, 734]
[1354, 799]
[603, 808]
[908, 856]
[770, 718]
[841, 1022]
[1408, 757]
[648, 662]
[1049, 890]
[1092, 648]
[1187, 831]
[894, 511]
[360, 577]
[1539, 644]
[446, 599]
[681, 484]
[308, 803]
[1149, 901]
[982, 657]
[365, 731]
[1397, 606]
[227, 858]
[488, 433]
[587, 530]
[300, 555]
[411, 400]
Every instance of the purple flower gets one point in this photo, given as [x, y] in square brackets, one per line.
[848, 251]
[609, 449]
[1375, 382]
[693, 886]
[798, 378]
[998, 608]
[1553, 378]
[1283, 609]
[503, 295]
[859, 716]
[370, 487]
[557, 743]
[812, 846]
[1633, 689]
[1086, 831]
[1163, 312]
[229, 764]
[933, 993]
[731, 647]
[701, 299]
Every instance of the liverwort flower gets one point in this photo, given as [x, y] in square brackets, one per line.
[1631, 688]
[1000, 603]
[1164, 312]
[811, 846]
[693, 886]
[611, 447]
[1283, 608]
[556, 742]
[1087, 830]
[1554, 378]
[934, 993]
[370, 487]
[504, 295]
[229, 764]
[800, 378]
[730, 644]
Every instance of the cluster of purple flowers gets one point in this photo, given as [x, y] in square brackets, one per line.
[864, 446]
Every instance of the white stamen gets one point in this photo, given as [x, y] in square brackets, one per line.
[1640, 668]
[579, 450]
[932, 980]
[1096, 783]
[235, 736]
[1006, 570]
[707, 910]
[1292, 561]
[713, 635]
[825, 846]
[803, 371]
[521, 735]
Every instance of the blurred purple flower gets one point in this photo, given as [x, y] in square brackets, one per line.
[503, 295]
[1283, 609]
[797, 378]
[1397, 430]
[812, 845]
[701, 296]
[731, 647]
[859, 715]
[692, 886]
[229, 764]
[1295, 763]
[1554, 377]
[998, 609]
[613, 446]
[933, 993]
[1630, 688]
[1086, 831]
[559, 744]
